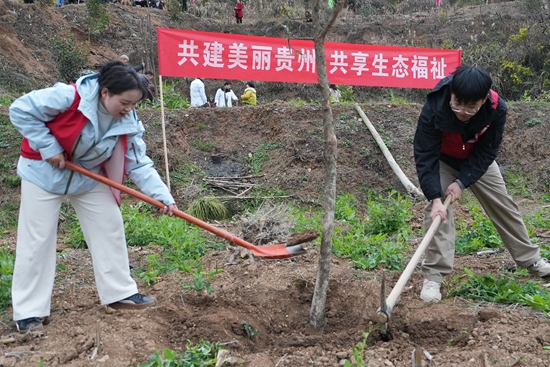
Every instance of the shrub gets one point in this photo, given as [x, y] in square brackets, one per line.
[97, 16]
[69, 56]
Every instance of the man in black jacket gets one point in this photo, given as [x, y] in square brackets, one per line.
[458, 137]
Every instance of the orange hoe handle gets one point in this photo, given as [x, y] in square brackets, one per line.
[273, 252]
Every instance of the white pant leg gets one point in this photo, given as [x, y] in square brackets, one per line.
[103, 229]
[34, 272]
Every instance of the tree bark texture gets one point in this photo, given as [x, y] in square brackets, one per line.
[317, 317]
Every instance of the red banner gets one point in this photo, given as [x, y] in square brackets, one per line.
[184, 53]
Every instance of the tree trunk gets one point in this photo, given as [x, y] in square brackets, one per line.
[317, 313]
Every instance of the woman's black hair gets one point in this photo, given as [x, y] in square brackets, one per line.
[250, 84]
[332, 86]
[470, 84]
[118, 78]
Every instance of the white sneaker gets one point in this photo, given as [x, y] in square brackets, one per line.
[540, 269]
[430, 291]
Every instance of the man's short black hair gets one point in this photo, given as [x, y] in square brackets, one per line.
[148, 72]
[250, 84]
[226, 83]
[470, 84]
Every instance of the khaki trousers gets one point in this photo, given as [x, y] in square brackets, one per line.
[35, 257]
[491, 192]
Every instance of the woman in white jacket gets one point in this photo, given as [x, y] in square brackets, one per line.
[94, 124]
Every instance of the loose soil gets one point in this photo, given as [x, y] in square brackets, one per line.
[274, 296]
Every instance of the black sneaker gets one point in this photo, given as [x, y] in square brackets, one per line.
[31, 324]
[137, 301]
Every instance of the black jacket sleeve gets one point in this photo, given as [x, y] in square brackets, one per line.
[427, 149]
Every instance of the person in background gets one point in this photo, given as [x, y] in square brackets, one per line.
[225, 96]
[92, 123]
[457, 139]
[335, 94]
[238, 9]
[59, 3]
[126, 60]
[146, 79]
[308, 18]
[183, 5]
[249, 96]
[198, 94]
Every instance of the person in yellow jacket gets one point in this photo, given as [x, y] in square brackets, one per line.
[249, 96]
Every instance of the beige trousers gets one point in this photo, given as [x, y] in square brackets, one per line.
[35, 259]
[491, 192]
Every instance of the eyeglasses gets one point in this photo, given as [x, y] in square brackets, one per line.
[467, 111]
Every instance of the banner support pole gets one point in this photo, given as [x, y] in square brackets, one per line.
[164, 134]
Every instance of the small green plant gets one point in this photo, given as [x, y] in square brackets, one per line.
[201, 280]
[201, 126]
[297, 102]
[344, 208]
[70, 58]
[12, 181]
[358, 353]
[347, 93]
[208, 208]
[205, 147]
[5, 101]
[202, 354]
[390, 214]
[249, 330]
[533, 122]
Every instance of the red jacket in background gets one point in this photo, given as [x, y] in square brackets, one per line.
[238, 10]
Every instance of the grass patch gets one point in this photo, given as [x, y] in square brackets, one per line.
[204, 146]
[369, 237]
[181, 243]
[7, 261]
[501, 289]
[208, 208]
[260, 156]
[480, 234]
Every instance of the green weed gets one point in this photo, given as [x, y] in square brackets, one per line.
[5, 101]
[486, 288]
[347, 94]
[533, 122]
[297, 102]
[479, 234]
[249, 330]
[171, 98]
[358, 353]
[201, 279]
[344, 208]
[204, 146]
[388, 214]
[259, 157]
[202, 354]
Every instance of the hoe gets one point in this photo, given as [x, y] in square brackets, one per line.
[383, 314]
[279, 251]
